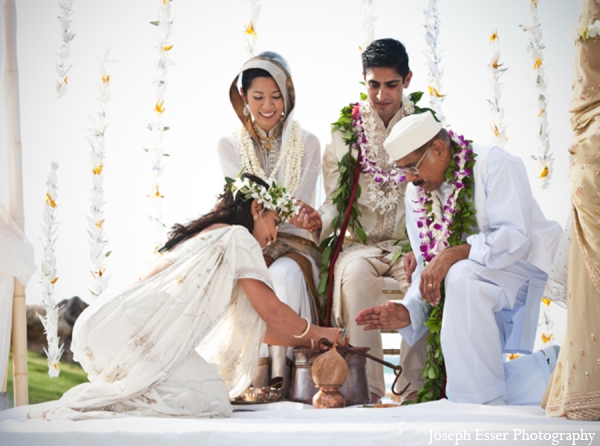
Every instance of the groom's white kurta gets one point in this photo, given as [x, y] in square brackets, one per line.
[493, 297]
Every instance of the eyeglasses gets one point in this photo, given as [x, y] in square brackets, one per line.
[414, 170]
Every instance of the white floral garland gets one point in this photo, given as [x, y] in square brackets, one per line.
[293, 153]
[378, 199]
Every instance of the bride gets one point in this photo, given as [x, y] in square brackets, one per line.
[185, 338]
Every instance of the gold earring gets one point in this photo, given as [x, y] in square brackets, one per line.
[255, 217]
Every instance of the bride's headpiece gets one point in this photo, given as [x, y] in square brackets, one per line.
[275, 198]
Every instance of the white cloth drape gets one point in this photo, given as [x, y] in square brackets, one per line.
[16, 254]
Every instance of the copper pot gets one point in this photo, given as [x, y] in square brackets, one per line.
[355, 389]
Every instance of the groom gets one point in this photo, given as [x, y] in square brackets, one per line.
[494, 280]
[362, 266]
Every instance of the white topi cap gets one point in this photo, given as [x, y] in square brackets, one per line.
[411, 133]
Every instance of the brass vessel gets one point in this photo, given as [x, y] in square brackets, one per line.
[355, 389]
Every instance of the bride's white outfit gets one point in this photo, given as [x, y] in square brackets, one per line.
[178, 344]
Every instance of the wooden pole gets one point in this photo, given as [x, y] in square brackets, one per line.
[15, 205]
[19, 346]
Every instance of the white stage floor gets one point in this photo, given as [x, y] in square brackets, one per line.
[438, 423]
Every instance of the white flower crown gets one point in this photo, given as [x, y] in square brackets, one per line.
[275, 198]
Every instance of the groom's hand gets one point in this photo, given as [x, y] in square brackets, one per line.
[392, 315]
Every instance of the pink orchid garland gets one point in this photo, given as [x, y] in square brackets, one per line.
[434, 234]
[368, 166]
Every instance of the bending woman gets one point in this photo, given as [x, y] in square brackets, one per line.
[185, 339]
[271, 145]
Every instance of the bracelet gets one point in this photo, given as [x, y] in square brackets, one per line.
[305, 331]
[312, 344]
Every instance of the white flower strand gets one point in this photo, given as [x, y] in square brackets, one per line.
[292, 155]
[546, 322]
[96, 229]
[434, 59]
[367, 19]
[162, 35]
[250, 34]
[496, 111]
[67, 34]
[545, 159]
[48, 276]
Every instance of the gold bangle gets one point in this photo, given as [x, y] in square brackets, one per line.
[305, 331]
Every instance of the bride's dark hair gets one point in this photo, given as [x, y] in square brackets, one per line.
[227, 210]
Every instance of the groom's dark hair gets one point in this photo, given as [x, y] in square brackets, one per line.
[386, 53]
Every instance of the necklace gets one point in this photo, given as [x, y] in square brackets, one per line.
[266, 139]
[291, 155]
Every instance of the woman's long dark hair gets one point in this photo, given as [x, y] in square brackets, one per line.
[227, 210]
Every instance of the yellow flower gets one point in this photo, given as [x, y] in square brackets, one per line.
[546, 339]
[100, 223]
[50, 202]
[66, 80]
[53, 281]
[496, 65]
[546, 301]
[434, 92]
[535, 3]
[167, 47]
[541, 113]
[106, 79]
[496, 131]
[513, 356]
[97, 170]
[494, 36]
[160, 107]
[537, 64]
[250, 30]
[157, 193]
[544, 173]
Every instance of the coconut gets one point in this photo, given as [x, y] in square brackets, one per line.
[330, 369]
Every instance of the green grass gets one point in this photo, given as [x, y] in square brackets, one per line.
[41, 387]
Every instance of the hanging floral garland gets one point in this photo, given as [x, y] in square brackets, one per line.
[67, 35]
[96, 228]
[250, 34]
[367, 19]
[48, 275]
[162, 36]
[293, 154]
[440, 228]
[496, 111]
[434, 78]
[545, 159]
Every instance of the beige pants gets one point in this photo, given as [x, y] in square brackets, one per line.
[362, 282]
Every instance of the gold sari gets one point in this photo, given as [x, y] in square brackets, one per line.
[574, 388]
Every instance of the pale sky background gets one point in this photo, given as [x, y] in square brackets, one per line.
[320, 40]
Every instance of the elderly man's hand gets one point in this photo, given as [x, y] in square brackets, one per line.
[392, 315]
[307, 218]
[436, 270]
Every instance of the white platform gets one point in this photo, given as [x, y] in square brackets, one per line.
[438, 423]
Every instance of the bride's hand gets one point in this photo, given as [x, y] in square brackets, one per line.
[333, 335]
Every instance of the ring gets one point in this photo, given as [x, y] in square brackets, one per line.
[430, 285]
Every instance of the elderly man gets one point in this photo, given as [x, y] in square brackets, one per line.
[494, 278]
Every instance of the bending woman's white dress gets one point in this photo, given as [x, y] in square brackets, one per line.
[178, 344]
